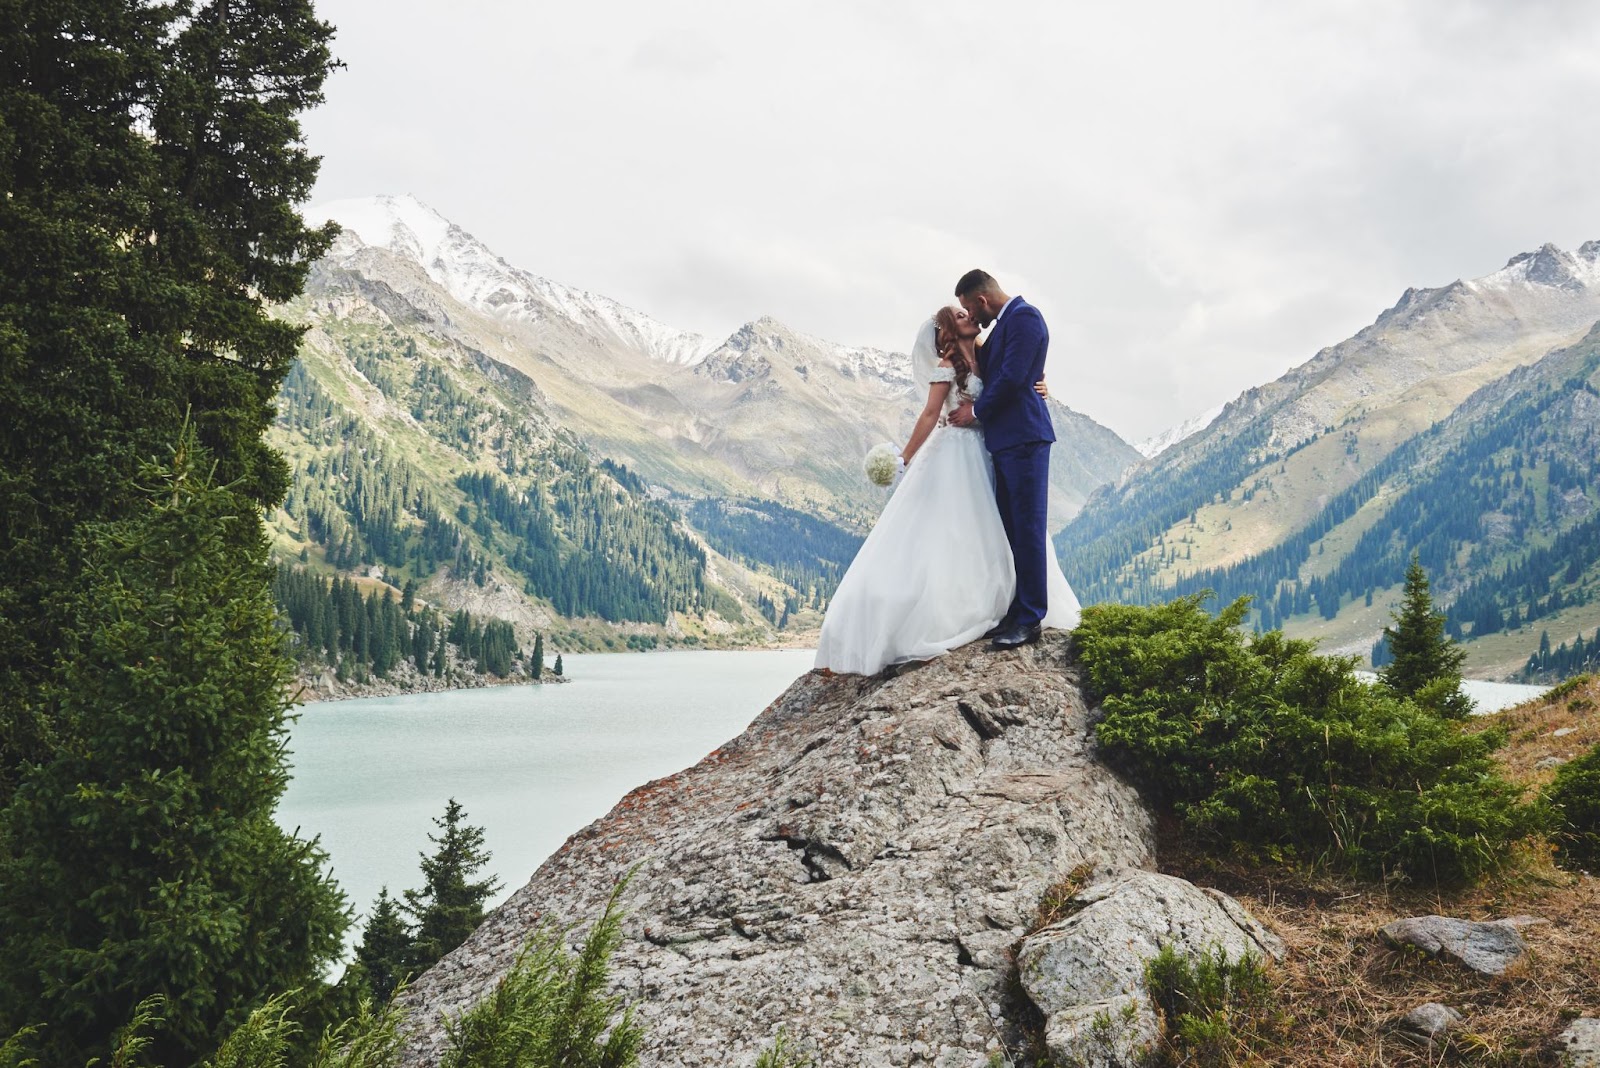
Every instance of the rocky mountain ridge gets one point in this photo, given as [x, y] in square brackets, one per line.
[1155, 445]
[767, 411]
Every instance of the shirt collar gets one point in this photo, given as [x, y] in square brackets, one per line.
[1007, 308]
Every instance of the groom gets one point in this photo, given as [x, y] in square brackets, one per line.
[1017, 432]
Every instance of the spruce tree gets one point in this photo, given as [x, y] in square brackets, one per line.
[536, 665]
[151, 158]
[385, 948]
[1426, 662]
[557, 668]
[142, 856]
[449, 906]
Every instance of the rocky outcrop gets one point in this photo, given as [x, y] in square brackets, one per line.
[858, 868]
[1086, 972]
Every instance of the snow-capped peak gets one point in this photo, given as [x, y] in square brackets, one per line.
[1547, 266]
[472, 273]
[400, 224]
[1152, 447]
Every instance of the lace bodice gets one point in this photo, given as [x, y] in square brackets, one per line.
[956, 396]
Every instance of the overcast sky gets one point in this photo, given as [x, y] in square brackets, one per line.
[1198, 196]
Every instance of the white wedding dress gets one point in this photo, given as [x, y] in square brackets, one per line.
[936, 571]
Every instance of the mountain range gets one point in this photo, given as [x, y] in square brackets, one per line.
[524, 448]
[766, 411]
[446, 400]
[1459, 425]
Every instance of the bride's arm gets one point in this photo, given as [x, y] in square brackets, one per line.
[937, 392]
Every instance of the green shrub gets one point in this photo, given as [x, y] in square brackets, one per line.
[551, 1009]
[1258, 744]
[1214, 1010]
[1573, 804]
[783, 1054]
[266, 1039]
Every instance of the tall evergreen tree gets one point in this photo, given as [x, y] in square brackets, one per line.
[142, 856]
[150, 161]
[150, 156]
[385, 948]
[1426, 662]
[449, 906]
[536, 665]
[558, 669]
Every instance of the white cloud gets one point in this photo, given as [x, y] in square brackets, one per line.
[1200, 196]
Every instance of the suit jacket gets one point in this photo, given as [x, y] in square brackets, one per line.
[1009, 363]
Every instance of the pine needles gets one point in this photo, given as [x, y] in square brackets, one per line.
[551, 1009]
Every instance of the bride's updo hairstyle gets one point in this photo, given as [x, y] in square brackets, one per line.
[944, 321]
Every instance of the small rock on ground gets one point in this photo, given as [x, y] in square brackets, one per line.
[1487, 948]
[1431, 1021]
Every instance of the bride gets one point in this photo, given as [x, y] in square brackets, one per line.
[936, 571]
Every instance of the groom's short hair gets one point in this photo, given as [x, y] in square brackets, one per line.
[976, 281]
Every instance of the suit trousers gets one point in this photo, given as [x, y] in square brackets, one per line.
[1022, 491]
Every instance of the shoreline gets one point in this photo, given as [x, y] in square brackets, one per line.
[315, 691]
[324, 689]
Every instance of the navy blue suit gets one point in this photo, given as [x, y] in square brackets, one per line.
[1018, 433]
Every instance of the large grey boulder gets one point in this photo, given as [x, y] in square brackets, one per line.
[1086, 972]
[1488, 948]
[854, 868]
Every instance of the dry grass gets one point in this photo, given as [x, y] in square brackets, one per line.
[1343, 988]
[1531, 728]
[1061, 900]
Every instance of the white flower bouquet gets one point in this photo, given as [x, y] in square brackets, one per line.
[883, 464]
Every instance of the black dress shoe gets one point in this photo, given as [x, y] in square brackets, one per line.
[998, 629]
[1016, 635]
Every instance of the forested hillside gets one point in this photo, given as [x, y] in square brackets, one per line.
[365, 636]
[1501, 501]
[419, 468]
[1453, 426]
[806, 554]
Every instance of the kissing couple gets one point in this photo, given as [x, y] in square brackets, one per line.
[961, 550]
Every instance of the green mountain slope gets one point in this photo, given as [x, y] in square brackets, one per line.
[1502, 502]
[1493, 486]
[415, 462]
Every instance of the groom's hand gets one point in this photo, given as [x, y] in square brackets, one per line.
[962, 416]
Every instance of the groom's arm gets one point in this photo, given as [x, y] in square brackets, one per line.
[1026, 341]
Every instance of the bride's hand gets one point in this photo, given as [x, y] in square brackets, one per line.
[1040, 388]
